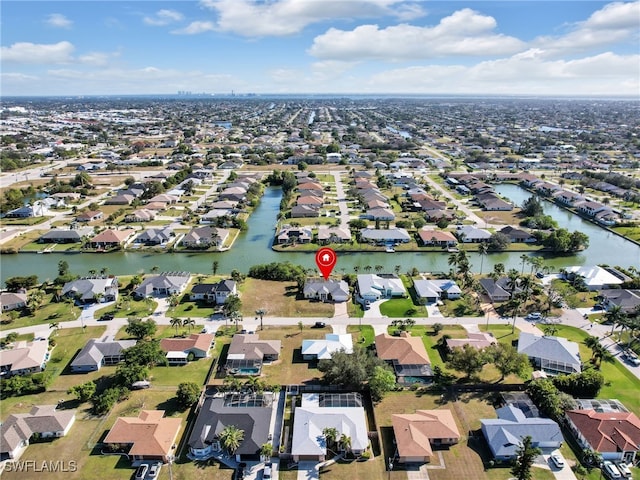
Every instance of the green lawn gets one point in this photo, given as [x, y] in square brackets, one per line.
[402, 307]
[365, 332]
[502, 332]
[129, 308]
[50, 311]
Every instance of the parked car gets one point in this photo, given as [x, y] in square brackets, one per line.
[540, 275]
[140, 385]
[106, 317]
[534, 316]
[557, 460]
[611, 470]
[266, 472]
[141, 471]
[624, 469]
[154, 471]
[319, 325]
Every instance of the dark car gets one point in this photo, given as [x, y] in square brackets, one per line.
[106, 317]
[319, 325]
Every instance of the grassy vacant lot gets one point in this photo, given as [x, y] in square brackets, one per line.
[50, 311]
[361, 332]
[279, 299]
[630, 232]
[402, 307]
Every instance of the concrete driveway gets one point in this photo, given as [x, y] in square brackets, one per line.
[374, 309]
[564, 473]
[308, 471]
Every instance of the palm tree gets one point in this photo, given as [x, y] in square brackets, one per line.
[537, 264]
[55, 326]
[615, 316]
[266, 450]
[367, 268]
[345, 443]
[175, 322]
[397, 269]
[591, 342]
[188, 322]
[498, 270]
[356, 269]
[378, 268]
[525, 258]
[483, 248]
[214, 266]
[330, 435]
[261, 313]
[231, 437]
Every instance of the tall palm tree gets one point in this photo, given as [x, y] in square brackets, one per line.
[330, 435]
[483, 248]
[367, 268]
[615, 316]
[397, 269]
[345, 443]
[525, 258]
[261, 312]
[378, 268]
[356, 269]
[188, 322]
[591, 342]
[214, 266]
[231, 437]
[175, 322]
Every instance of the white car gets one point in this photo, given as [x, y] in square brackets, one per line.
[557, 460]
[534, 316]
[611, 470]
[624, 469]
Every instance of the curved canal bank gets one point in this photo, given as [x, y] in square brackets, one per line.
[254, 247]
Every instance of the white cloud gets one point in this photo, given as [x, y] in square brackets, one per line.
[615, 15]
[464, 33]
[253, 18]
[163, 17]
[98, 59]
[16, 77]
[195, 28]
[26, 52]
[57, 20]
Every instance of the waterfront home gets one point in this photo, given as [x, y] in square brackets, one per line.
[98, 353]
[439, 238]
[38, 209]
[517, 235]
[24, 358]
[148, 437]
[247, 353]
[504, 434]
[310, 201]
[319, 411]
[373, 287]
[615, 435]
[304, 211]
[595, 277]
[416, 433]
[43, 421]
[181, 350]
[322, 349]
[251, 413]
[385, 236]
[109, 239]
[471, 234]
[289, 234]
[12, 301]
[431, 291]
[407, 355]
[327, 234]
[92, 289]
[60, 235]
[90, 216]
[165, 284]
[498, 290]
[214, 292]
[591, 208]
[205, 237]
[154, 236]
[326, 290]
[552, 355]
[568, 198]
[627, 300]
[492, 202]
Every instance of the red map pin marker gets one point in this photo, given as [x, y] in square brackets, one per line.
[326, 259]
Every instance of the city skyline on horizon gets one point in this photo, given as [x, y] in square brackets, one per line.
[324, 48]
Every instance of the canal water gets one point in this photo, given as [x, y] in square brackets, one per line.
[254, 247]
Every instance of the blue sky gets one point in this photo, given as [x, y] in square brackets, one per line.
[320, 46]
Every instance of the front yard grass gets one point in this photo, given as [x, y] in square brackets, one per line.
[362, 332]
[50, 311]
[279, 299]
[402, 307]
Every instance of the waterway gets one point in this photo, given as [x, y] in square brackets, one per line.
[254, 247]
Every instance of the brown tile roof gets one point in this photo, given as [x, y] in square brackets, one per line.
[310, 186]
[439, 235]
[112, 236]
[150, 433]
[414, 431]
[405, 350]
[201, 341]
[252, 347]
[608, 431]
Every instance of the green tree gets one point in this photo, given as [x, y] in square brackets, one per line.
[483, 249]
[351, 371]
[231, 305]
[140, 329]
[532, 207]
[214, 267]
[128, 373]
[187, 394]
[261, 312]
[84, 391]
[266, 450]
[526, 455]
[467, 359]
[176, 323]
[231, 437]
[507, 360]
[382, 381]
[145, 352]
[498, 242]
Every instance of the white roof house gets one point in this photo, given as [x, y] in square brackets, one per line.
[433, 290]
[373, 287]
[595, 277]
[323, 348]
[318, 412]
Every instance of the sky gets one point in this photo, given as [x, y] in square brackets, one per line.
[501, 47]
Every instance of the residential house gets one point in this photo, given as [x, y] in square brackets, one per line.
[140, 215]
[380, 214]
[613, 434]
[595, 277]
[205, 237]
[431, 291]
[476, 340]
[416, 434]
[122, 199]
[407, 355]
[326, 290]
[552, 355]
[12, 301]
[109, 239]
[304, 211]
[92, 289]
[38, 209]
[327, 234]
[24, 358]
[98, 353]
[45, 421]
[492, 202]
[247, 353]
[59, 235]
[164, 198]
[498, 290]
[154, 236]
[439, 238]
[289, 234]
[373, 287]
[627, 300]
[385, 236]
[568, 198]
[591, 208]
[322, 349]
[504, 434]
[251, 413]
[165, 284]
[214, 292]
[517, 235]
[237, 194]
[90, 216]
[182, 350]
[148, 437]
[319, 411]
[310, 201]
[471, 234]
